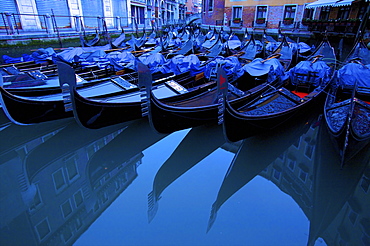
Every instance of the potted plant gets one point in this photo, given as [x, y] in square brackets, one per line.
[306, 21]
[237, 20]
[353, 22]
[260, 20]
[288, 21]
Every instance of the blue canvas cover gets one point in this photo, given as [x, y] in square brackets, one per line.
[231, 65]
[42, 55]
[188, 63]
[272, 46]
[174, 42]
[151, 41]
[352, 72]
[317, 71]
[121, 60]
[234, 42]
[97, 58]
[153, 61]
[259, 67]
[8, 59]
[180, 64]
[303, 47]
[69, 54]
[210, 42]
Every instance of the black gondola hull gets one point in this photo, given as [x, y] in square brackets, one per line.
[167, 118]
[93, 114]
[24, 111]
[238, 126]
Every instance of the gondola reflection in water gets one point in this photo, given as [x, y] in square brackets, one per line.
[58, 178]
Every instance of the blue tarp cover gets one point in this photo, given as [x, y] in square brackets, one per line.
[351, 72]
[231, 65]
[153, 61]
[317, 72]
[24, 58]
[259, 67]
[180, 64]
[42, 55]
[121, 60]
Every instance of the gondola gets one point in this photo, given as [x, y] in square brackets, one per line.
[127, 103]
[347, 106]
[171, 114]
[304, 91]
[38, 104]
[85, 42]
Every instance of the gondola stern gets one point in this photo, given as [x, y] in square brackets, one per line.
[222, 89]
[4, 106]
[67, 81]
[66, 74]
[145, 85]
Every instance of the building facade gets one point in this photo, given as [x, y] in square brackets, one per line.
[34, 15]
[286, 14]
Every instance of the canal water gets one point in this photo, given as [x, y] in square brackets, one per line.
[62, 184]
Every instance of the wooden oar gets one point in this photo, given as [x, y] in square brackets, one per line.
[272, 57]
[316, 58]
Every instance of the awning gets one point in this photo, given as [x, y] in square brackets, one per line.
[332, 3]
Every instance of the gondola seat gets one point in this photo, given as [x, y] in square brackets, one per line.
[304, 81]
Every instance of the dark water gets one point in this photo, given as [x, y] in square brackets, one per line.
[127, 185]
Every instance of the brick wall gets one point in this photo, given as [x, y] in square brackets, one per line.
[210, 18]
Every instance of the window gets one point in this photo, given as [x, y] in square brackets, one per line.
[104, 197]
[308, 13]
[261, 12]
[277, 174]
[59, 181]
[303, 175]
[78, 223]
[67, 233]
[361, 12]
[309, 150]
[71, 168]
[78, 198]
[117, 185]
[291, 164]
[210, 5]
[237, 12]
[36, 200]
[66, 208]
[289, 11]
[343, 12]
[324, 14]
[43, 229]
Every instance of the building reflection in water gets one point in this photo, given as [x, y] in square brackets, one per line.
[57, 178]
[308, 170]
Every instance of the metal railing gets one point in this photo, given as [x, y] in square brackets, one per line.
[11, 23]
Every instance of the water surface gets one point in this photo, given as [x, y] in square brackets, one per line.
[62, 184]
